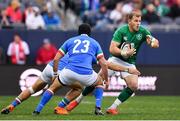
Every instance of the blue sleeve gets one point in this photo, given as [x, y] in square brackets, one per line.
[99, 52]
[64, 48]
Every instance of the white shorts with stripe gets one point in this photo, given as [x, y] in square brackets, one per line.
[119, 62]
[47, 74]
[68, 77]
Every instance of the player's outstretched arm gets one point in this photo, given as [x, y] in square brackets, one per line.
[104, 69]
[58, 56]
[153, 42]
[116, 67]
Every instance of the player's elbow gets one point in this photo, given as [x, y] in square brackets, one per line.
[111, 50]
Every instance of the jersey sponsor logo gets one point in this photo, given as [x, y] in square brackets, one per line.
[138, 36]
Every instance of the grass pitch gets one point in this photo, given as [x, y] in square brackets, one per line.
[136, 108]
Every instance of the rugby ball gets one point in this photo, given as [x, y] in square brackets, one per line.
[125, 46]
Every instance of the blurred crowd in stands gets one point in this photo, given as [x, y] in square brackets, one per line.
[68, 14]
[100, 14]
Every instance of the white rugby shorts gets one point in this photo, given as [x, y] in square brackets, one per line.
[68, 77]
[47, 74]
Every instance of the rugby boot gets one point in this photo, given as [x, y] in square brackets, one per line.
[98, 111]
[7, 110]
[112, 111]
[60, 111]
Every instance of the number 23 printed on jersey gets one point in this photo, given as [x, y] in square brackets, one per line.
[85, 48]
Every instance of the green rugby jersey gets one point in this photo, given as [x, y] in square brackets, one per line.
[122, 34]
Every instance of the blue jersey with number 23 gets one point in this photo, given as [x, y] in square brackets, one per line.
[81, 50]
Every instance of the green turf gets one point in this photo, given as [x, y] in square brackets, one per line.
[138, 108]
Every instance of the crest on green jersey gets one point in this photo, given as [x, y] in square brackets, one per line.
[138, 36]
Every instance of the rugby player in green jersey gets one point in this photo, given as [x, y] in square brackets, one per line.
[135, 35]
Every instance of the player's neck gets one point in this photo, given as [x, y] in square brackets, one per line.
[84, 34]
[130, 29]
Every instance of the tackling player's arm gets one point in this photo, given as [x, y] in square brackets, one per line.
[58, 56]
[104, 69]
[61, 52]
[118, 67]
[102, 62]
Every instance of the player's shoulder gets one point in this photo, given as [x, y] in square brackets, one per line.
[143, 29]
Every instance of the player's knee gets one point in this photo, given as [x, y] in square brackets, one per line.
[133, 86]
[79, 89]
[31, 90]
[100, 86]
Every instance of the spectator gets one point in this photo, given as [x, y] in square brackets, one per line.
[18, 51]
[102, 18]
[161, 9]
[14, 12]
[52, 20]
[151, 16]
[27, 11]
[175, 9]
[34, 20]
[2, 56]
[4, 19]
[138, 4]
[45, 53]
[116, 15]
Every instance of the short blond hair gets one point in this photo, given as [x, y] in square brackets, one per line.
[135, 12]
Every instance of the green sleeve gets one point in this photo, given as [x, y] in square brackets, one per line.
[147, 32]
[117, 36]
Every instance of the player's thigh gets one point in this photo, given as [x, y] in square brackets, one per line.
[55, 85]
[39, 84]
[112, 72]
[132, 81]
[76, 85]
[88, 80]
[99, 81]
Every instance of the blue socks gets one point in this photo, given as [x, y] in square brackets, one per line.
[63, 103]
[45, 98]
[16, 102]
[98, 93]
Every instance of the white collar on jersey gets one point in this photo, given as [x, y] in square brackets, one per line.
[84, 34]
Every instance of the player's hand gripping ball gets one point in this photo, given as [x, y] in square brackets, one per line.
[125, 49]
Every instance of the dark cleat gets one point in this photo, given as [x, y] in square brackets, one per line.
[7, 110]
[98, 111]
[35, 113]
